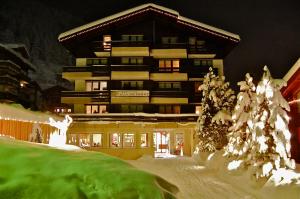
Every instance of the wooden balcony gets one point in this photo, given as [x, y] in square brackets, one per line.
[169, 93]
[101, 70]
[130, 67]
[131, 117]
[95, 96]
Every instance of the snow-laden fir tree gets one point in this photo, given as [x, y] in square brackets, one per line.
[270, 147]
[215, 115]
[239, 137]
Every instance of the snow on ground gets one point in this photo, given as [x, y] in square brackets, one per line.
[195, 181]
[35, 171]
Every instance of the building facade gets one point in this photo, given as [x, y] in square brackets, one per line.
[15, 84]
[292, 94]
[136, 80]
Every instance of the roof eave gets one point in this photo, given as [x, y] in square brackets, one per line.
[180, 19]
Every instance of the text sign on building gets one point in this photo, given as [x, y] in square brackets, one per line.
[131, 93]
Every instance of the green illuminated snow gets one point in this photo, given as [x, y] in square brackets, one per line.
[36, 171]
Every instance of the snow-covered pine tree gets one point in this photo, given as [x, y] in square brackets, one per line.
[215, 115]
[270, 148]
[239, 137]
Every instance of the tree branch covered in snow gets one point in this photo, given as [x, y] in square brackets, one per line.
[239, 136]
[216, 106]
[259, 136]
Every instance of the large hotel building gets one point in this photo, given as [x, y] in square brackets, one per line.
[136, 80]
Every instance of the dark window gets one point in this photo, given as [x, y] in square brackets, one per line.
[102, 61]
[169, 40]
[138, 85]
[170, 85]
[132, 38]
[132, 60]
[203, 62]
[131, 108]
[196, 44]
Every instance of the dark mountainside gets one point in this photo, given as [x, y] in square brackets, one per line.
[37, 26]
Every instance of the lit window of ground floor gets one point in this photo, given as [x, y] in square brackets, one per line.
[133, 140]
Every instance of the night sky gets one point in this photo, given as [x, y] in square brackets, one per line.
[269, 29]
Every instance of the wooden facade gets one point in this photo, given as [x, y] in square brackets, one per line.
[292, 94]
[21, 130]
[144, 65]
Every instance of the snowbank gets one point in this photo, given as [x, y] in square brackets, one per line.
[36, 171]
[213, 180]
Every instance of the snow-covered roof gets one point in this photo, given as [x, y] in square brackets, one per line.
[142, 8]
[17, 112]
[26, 61]
[292, 70]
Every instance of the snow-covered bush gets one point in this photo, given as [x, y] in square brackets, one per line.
[215, 115]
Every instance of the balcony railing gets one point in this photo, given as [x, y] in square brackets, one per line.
[101, 70]
[97, 96]
[130, 67]
[169, 93]
[145, 117]
[170, 45]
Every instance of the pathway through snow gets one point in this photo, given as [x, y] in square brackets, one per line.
[193, 181]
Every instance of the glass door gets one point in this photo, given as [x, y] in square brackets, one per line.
[161, 142]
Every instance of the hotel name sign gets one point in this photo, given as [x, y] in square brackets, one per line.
[130, 93]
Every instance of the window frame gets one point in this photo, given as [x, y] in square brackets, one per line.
[124, 139]
[168, 65]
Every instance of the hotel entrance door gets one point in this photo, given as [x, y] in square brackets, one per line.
[161, 143]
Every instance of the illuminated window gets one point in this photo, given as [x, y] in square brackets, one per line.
[169, 109]
[115, 140]
[107, 42]
[69, 110]
[72, 139]
[168, 65]
[179, 143]
[97, 140]
[175, 65]
[144, 140]
[95, 85]
[95, 109]
[197, 85]
[197, 109]
[84, 140]
[128, 140]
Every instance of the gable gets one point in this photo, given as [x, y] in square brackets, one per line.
[134, 13]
